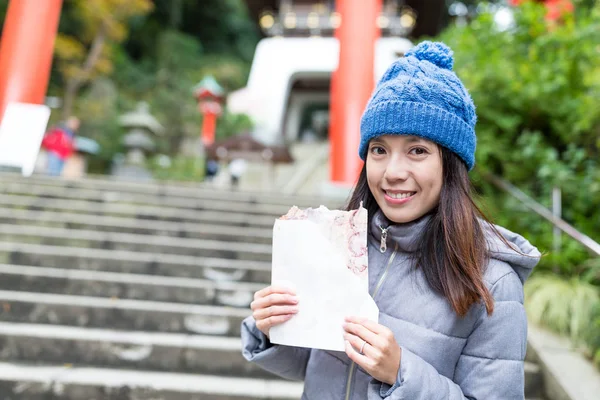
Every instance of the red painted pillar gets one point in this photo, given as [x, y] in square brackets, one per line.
[209, 128]
[26, 50]
[210, 109]
[351, 85]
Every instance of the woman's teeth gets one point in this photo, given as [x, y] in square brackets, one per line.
[400, 195]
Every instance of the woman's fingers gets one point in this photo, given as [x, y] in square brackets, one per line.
[271, 290]
[352, 353]
[370, 325]
[264, 325]
[273, 299]
[273, 311]
[272, 306]
[362, 332]
[359, 344]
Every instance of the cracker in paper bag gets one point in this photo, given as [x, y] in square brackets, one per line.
[322, 255]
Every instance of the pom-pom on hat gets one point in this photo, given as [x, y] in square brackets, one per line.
[420, 95]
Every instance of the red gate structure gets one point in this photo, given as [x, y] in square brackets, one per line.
[26, 50]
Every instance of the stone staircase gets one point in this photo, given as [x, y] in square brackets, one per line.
[114, 290]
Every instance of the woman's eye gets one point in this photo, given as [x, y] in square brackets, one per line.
[377, 150]
[419, 151]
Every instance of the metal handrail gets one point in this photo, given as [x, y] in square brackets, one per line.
[564, 226]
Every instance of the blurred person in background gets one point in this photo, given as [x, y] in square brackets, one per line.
[237, 168]
[59, 144]
[211, 169]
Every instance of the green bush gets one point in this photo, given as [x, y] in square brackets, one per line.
[180, 169]
[537, 91]
[231, 124]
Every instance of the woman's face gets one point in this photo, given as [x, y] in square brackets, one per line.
[404, 174]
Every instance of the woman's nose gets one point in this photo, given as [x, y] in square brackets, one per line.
[397, 170]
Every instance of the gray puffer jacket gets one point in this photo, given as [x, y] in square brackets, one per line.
[444, 356]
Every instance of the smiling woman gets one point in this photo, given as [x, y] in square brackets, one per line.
[448, 284]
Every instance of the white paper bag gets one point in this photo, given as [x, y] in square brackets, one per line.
[322, 255]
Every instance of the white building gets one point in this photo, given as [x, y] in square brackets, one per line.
[289, 74]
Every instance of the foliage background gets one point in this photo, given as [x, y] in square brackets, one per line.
[537, 91]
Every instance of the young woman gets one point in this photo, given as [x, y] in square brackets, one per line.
[448, 284]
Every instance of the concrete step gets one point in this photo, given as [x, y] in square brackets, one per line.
[157, 351]
[135, 262]
[138, 211]
[165, 189]
[226, 203]
[52, 382]
[134, 242]
[107, 223]
[114, 313]
[28, 382]
[70, 346]
[170, 352]
[126, 286]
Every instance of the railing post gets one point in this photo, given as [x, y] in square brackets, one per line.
[557, 212]
[585, 240]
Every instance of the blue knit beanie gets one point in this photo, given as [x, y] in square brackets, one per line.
[420, 95]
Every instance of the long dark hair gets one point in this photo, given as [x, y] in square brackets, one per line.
[453, 253]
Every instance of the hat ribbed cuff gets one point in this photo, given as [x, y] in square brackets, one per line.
[418, 119]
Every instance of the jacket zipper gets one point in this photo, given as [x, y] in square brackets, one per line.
[381, 280]
[383, 242]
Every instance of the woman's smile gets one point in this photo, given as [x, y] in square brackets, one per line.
[396, 198]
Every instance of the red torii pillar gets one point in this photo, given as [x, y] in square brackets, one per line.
[351, 85]
[26, 50]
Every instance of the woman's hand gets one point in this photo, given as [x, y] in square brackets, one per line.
[272, 306]
[373, 347]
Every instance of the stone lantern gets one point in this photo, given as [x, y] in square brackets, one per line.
[142, 130]
[209, 95]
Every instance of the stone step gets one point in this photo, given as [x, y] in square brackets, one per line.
[41, 382]
[114, 313]
[71, 347]
[134, 225]
[164, 189]
[143, 350]
[134, 242]
[127, 286]
[226, 203]
[134, 262]
[139, 211]
[171, 352]
[20, 381]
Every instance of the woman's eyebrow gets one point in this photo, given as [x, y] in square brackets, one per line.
[416, 139]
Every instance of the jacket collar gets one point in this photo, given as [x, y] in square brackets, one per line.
[406, 236]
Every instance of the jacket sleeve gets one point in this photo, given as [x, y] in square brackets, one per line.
[285, 361]
[490, 366]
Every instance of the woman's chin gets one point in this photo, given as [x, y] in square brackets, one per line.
[400, 216]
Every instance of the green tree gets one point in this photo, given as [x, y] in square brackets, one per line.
[223, 28]
[82, 57]
[172, 98]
